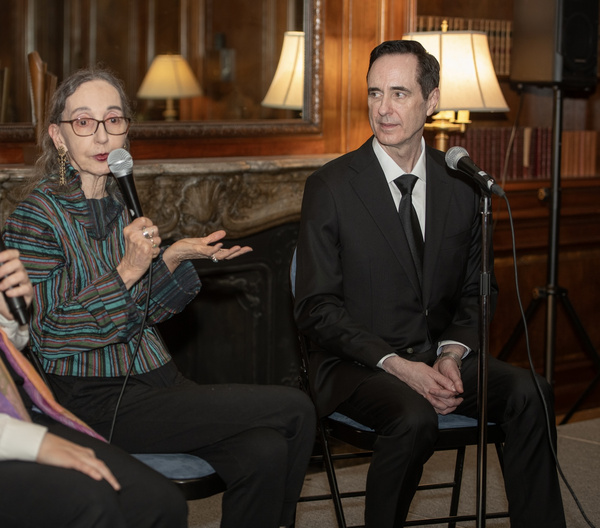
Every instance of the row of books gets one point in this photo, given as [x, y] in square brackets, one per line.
[529, 155]
[499, 33]
[578, 153]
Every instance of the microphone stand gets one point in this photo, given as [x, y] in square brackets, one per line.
[482, 361]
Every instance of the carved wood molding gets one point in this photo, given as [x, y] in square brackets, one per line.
[191, 198]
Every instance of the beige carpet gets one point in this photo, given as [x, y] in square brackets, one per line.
[579, 457]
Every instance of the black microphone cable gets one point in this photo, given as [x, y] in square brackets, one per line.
[507, 155]
[134, 356]
[532, 368]
[120, 163]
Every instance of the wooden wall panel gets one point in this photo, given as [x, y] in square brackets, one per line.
[364, 24]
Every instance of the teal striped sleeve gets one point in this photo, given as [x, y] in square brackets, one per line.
[171, 292]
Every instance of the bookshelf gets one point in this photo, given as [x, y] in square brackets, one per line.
[525, 153]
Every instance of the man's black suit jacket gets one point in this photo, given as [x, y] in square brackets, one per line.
[358, 297]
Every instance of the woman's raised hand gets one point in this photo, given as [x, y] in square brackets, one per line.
[208, 247]
[142, 244]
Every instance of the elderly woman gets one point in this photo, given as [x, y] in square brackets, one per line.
[95, 311]
[52, 474]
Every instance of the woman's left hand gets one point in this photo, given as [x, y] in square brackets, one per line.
[208, 247]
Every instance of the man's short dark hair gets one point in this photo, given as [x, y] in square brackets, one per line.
[428, 67]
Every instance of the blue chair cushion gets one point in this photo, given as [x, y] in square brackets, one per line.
[342, 418]
[448, 421]
[177, 466]
[455, 421]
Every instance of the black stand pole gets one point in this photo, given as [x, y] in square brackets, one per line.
[484, 345]
[552, 292]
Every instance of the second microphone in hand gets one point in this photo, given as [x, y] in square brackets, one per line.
[410, 220]
[16, 305]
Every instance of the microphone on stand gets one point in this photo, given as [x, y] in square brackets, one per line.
[120, 164]
[457, 158]
[16, 305]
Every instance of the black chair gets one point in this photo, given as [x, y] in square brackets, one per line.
[194, 476]
[456, 432]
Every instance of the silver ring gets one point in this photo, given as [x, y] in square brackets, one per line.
[146, 234]
[214, 259]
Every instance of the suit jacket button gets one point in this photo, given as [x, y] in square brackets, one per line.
[410, 350]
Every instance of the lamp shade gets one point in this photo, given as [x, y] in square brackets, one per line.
[169, 77]
[287, 87]
[467, 77]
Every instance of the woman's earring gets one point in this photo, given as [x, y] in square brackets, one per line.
[62, 164]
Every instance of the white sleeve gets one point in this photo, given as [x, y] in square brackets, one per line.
[19, 335]
[19, 440]
[448, 342]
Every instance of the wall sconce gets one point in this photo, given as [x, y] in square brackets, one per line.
[169, 77]
[287, 87]
[468, 81]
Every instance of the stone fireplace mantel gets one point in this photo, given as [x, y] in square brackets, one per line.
[193, 197]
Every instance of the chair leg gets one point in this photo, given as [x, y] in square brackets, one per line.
[458, 473]
[333, 485]
[500, 453]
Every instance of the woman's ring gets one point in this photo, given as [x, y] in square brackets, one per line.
[146, 234]
[214, 259]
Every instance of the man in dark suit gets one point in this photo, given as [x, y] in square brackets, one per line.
[396, 336]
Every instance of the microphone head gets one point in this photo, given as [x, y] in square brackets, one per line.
[120, 163]
[453, 156]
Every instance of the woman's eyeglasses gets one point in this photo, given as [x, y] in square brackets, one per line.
[88, 126]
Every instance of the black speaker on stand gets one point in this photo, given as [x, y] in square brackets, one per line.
[555, 45]
[555, 42]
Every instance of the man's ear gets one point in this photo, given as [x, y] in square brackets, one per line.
[432, 101]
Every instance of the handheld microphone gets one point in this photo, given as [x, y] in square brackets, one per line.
[457, 158]
[120, 164]
[16, 305]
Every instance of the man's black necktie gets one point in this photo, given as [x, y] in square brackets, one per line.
[409, 219]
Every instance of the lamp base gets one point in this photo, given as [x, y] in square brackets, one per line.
[170, 114]
[444, 123]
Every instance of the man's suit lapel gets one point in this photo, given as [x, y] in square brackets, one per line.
[439, 189]
[372, 188]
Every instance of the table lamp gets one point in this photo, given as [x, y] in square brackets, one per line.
[287, 88]
[468, 81]
[169, 77]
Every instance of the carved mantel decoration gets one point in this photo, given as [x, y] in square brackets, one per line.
[192, 198]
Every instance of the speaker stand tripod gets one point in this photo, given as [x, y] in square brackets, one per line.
[552, 293]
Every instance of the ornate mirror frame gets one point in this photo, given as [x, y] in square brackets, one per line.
[309, 123]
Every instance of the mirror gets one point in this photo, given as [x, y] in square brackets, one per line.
[232, 46]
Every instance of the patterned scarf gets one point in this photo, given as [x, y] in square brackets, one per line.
[11, 402]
